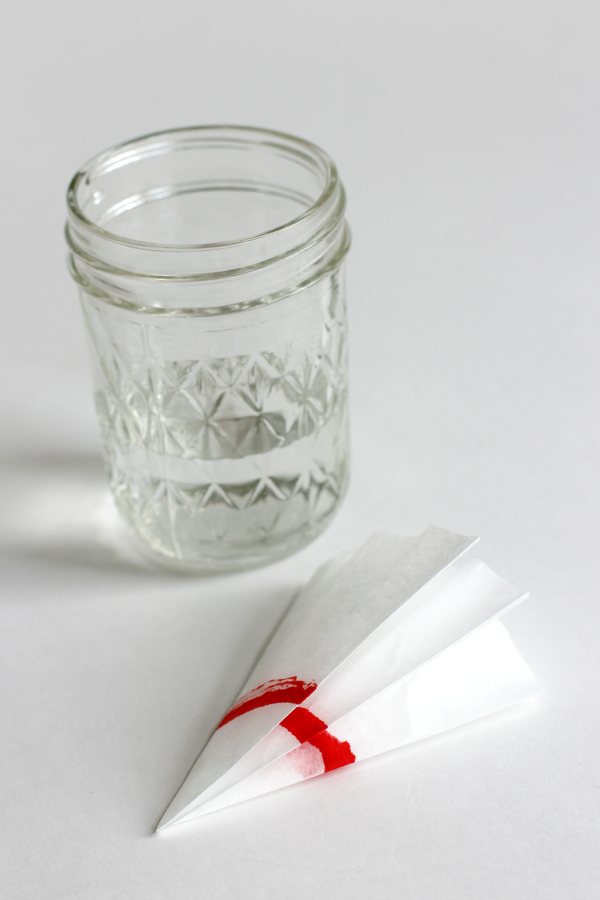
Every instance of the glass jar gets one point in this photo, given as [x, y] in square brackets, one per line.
[210, 267]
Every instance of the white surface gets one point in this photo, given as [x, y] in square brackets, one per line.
[468, 138]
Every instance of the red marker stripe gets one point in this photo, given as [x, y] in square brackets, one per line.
[335, 753]
[304, 725]
[309, 729]
[280, 690]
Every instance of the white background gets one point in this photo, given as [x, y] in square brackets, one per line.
[468, 137]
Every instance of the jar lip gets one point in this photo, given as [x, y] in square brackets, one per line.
[232, 134]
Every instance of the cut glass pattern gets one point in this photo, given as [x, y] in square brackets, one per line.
[215, 456]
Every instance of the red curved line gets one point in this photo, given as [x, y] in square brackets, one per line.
[279, 690]
[304, 725]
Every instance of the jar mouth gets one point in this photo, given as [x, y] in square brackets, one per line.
[108, 171]
[209, 218]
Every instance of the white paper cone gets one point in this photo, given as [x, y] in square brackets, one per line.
[476, 676]
[331, 617]
[452, 605]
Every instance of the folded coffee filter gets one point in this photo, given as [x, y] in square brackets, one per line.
[384, 646]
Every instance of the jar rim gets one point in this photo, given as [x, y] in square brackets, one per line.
[133, 150]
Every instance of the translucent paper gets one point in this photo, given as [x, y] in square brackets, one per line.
[384, 647]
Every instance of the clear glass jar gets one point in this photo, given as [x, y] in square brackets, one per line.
[210, 267]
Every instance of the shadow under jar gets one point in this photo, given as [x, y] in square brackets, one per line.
[210, 268]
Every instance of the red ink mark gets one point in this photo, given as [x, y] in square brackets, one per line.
[280, 690]
[309, 729]
[335, 753]
[303, 724]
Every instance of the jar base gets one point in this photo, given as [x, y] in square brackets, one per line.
[248, 558]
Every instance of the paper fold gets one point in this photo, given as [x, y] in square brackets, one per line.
[478, 676]
[357, 645]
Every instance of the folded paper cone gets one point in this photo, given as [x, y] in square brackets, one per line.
[479, 675]
[348, 653]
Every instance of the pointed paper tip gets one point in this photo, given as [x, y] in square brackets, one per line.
[166, 822]
[180, 807]
[163, 824]
[169, 821]
[172, 815]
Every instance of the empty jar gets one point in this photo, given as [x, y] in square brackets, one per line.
[210, 267]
